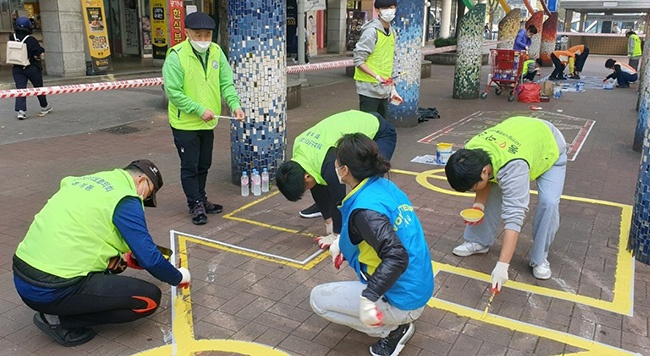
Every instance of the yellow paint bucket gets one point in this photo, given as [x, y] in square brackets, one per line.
[472, 215]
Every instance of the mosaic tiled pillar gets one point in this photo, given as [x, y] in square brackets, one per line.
[639, 242]
[508, 28]
[549, 32]
[467, 75]
[644, 100]
[257, 40]
[408, 61]
[536, 20]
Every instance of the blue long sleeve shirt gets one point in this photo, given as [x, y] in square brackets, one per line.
[522, 42]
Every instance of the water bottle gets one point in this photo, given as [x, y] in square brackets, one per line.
[257, 183]
[265, 180]
[244, 184]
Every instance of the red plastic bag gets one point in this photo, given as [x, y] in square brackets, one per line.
[529, 93]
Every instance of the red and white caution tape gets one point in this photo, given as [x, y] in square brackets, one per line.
[79, 88]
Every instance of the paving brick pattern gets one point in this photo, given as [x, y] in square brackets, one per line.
[238, 297]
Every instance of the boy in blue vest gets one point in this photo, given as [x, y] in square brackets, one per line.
[498, 165]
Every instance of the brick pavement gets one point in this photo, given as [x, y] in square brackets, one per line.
[240, 297]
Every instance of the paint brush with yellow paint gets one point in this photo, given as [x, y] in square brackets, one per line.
[494, 291]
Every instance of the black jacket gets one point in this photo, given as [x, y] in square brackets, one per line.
[34, 49]
[376, 230]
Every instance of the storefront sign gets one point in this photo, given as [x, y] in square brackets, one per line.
[158, 29]
[176, 22]
[93, 11]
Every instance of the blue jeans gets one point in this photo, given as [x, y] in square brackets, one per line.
[21, 76]
[624, 79]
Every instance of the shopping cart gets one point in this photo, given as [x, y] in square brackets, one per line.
[506, 65]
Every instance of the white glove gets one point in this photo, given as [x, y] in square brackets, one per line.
[369, 314]
[329, 228]
[500, 275]
[185, 282]
[325, 241]
[335, 253]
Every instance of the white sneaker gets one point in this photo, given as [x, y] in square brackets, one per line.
[470, 248]
[21, 115]
[542, 270]
[45, 110]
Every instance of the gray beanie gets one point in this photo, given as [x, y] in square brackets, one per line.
[380, 4]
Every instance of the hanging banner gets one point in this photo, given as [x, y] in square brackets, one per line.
[100, 53]
[131, 28]
[159, 29]
[176, 22]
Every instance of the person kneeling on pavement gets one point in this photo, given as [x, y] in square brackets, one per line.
[383, 241]
[623, 73]
[312, 165]
[498, 165]
[93, 228]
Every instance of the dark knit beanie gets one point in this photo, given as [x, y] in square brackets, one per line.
[380, 4]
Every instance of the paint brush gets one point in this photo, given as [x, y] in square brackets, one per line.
[494, 291]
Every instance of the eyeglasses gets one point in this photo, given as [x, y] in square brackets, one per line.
[339, 167]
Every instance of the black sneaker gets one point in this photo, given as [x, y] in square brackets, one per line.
[623, 86]
[393, 344]
[198, 213]
[211, 208]
[65, 337]
[311, 212]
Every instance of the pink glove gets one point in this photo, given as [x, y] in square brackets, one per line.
[325, 241]
[130, 260]
[369, 314]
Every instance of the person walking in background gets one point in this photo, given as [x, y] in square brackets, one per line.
[498, 165]
[623, 73]
[196, 74]
[66, 268]
[312, 165]
[634, 50]
[373, 59]
[383, 241]
[32, 72]
[523, 39]
[581, 52]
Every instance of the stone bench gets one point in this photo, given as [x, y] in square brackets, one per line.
[425, 70]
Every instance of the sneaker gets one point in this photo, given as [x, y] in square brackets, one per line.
[574, 76]
[65, 337]
[46, 110]
[552, 78]
[21, 115]
[542, 270]
[470, 248]
[211, 208]
[311, 212]
[198, 213]
[393, 344]
[622, 86]
[561, 78]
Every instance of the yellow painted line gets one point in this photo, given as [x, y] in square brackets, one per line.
[623, 300]
[593, 347]
[316, 260]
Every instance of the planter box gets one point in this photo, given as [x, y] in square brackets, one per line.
[449, 58]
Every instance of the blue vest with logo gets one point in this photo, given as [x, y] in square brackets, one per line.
[414, 287]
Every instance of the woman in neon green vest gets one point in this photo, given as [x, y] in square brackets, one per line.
[498, 164]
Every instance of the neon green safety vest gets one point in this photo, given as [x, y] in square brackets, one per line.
[518, 137]
[311, 146]
[201, 85]
[74, 234]
[527, 63]
[636, 51]
[380, 60]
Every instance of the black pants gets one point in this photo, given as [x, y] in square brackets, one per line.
[195, 151]
[530, 75]
[103, 298]
[368, 104]
[21, 76]
[581, 59]
[558, 72]
[386, 138]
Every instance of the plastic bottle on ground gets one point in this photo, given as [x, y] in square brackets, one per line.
[265, 180]
[256, 183]
[245, 190]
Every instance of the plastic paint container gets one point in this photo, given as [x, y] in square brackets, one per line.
[443, 152]
[472, 215]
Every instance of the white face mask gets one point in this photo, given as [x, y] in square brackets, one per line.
[387, 14]
[338, 176]
[200, 46]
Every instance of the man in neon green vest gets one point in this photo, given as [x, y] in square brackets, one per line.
[196, 73]
[634, 50]
[373, 59]
[498, 164]
[93, 228]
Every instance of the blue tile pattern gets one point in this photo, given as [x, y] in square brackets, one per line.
[408, 60]
[257, 53]
[467, 75]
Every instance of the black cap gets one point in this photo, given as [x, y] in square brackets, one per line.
[153, 173]
[199, 21]
[380, 4]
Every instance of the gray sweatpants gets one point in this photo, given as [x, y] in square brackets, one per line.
[547, 213]
[338, 302]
